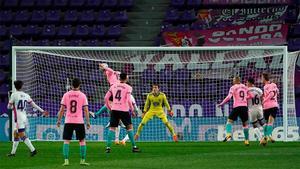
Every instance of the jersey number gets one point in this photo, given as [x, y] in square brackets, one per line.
[73, 106]
[21, 105]
[242, 95]
[255, 100]
[118, 95]
[274, 95]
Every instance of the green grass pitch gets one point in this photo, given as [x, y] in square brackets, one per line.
[189, 155]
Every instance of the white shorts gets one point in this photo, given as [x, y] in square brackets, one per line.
[255, 114]
[21, 124]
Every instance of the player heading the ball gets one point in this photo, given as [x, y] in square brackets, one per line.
[120, 106]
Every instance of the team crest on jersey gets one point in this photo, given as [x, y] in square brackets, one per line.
[155, 104]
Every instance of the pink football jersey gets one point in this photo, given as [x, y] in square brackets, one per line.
[240, 95]
[121, 93]
[270, 96]
[112, 76]
[74, 101]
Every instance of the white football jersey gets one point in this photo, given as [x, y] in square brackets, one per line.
[19, 101]
[256, 101]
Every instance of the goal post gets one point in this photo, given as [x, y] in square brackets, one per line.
[194, 79]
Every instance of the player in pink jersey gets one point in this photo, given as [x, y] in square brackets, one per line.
[113, 78]
[120, 106]
[270, 106]
[111, 75]
[73, 101]
[240, 94]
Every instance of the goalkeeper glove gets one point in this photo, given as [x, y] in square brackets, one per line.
[171, 113]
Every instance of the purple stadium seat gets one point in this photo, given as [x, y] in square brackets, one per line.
[6, 45]
[6, 16]
[60, 42]
[77, 3]
[16, 30]
[120, 17]
[177, 3]
[48, 31]
[188, 16]
[125, 4]
[44, 42]
[294, 44]
[104, 16]
[4, 88]
[87, 16]
[22, 16]
[109, 4]
[193, 3]
[183, 27]
[98, 31]
[60, 3]
[4, 60]
[109, 42]
[198, 26]
[65, 31]
[296, 30]
[93, 3]
[32, 30]
[3, 75]
[10, 3]
[114, 31]
[71, 16]
[77, 42]
[3, 31]
[38, 16]
[27, 42]
[82, 31]
[53, 16]
[43, 3]
[172, 15]
[27, 3]
[167, 27]
[93, 42]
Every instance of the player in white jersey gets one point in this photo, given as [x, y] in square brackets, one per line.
[255, 109]
[18, 102]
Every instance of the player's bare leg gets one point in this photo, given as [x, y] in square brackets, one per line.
[246, 133]
[66, 152]
[15, 144]
[228, 130]
[28, 143]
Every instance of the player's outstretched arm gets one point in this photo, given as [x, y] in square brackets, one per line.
[166, 103]
[87, 117]
[225, 100]
[60, 115]
[45, 113]
[146, 106]
[106, 99]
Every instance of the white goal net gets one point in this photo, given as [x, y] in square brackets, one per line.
[194, 79]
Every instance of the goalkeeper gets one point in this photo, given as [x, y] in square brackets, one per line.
[154, 107]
